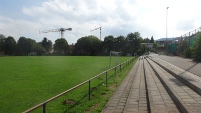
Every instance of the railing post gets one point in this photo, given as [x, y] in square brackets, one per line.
[44, 108]
[106, 78]
[115, 69]
[89, 89]
[120, 67]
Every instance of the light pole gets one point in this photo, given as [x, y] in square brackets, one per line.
[166, 28]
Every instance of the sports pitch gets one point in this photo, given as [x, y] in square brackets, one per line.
[27, 81]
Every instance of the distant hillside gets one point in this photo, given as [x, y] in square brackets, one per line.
[164, 39]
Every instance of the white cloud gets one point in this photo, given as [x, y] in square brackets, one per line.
[117, 17]
[18, 28]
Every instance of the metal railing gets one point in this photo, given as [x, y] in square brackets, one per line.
[120, 66]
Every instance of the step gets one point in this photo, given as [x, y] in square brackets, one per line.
[118, 101]
[185, 98]
[159, 99]
[190, 79]
[137, 99]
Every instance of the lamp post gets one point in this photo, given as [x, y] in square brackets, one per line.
[166, 29]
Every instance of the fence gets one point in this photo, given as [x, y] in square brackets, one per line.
[192, 32]
[190, 37]
[117, 68]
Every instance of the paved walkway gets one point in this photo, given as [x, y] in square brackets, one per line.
[131, 95]
[150, 88]
[184, 63]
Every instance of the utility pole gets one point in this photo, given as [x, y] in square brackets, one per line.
[166, 29]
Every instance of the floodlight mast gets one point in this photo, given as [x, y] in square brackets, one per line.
[97, 29]
[62, 30]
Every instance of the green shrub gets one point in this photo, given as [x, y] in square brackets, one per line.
[196, 53]
[187, 52]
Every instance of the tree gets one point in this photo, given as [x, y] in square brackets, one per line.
[37, 47]
[135, 40]
[119, 43]
[10, 45]
[61, 46]
[47, 44]
[120, 38]
[88, 45]
[182, 46]
[108, 43]
[152, 40]
[143, 49]
[187, 52]
[155, 47]
[2, 43]
[24, 45]
[146, 40]
[197, 48]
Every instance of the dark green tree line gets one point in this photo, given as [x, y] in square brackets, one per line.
[61, 47]
[10, 46]
[88, 45]
[134, 40]
[2, 43]
[23, 46]
[47, 44]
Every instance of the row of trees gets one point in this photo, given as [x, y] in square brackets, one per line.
[91, 45]
[23, 46]
[88, 45]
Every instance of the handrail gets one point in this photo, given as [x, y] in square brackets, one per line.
[75, 87]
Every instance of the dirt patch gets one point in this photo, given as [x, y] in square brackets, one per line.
[113, 87]
[69, 102]
[93, 88]
[103, 93]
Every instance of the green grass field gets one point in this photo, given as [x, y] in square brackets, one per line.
[27, 81]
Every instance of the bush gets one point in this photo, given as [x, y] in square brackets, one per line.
[187, 53]
[197, 48]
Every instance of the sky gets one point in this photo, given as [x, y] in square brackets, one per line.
[116, 17]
